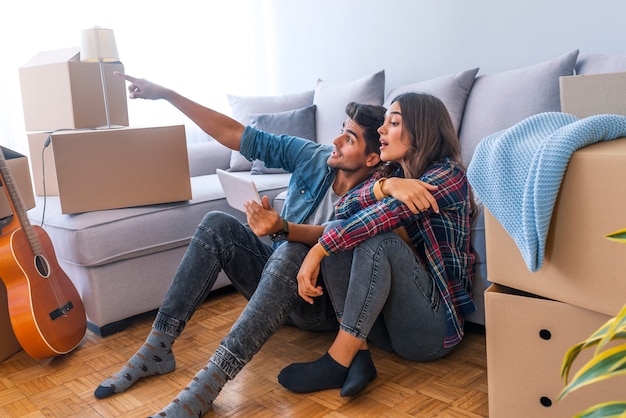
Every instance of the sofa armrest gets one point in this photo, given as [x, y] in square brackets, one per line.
[206, 157]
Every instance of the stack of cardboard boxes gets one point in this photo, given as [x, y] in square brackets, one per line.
[532, 319]
[75, 154]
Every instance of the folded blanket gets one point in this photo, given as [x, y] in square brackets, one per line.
[517, 172]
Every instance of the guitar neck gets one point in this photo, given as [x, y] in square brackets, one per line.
[17, 204]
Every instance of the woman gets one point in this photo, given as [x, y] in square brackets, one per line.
[399, 276]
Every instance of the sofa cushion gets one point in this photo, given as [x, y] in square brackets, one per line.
[451, 89]
[243, 106]
[592, 63]
[331, 99]
[299, 122]
[103, 237]
[205, 157]
[500, 100]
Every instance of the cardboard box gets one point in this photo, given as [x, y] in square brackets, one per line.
[20, 172]
[527, 338]
[115, 168]
[60, 92]
[594, 94]
[9, 345]
[580, 265]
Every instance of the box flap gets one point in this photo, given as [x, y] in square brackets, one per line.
[54, 56]
[9, 154]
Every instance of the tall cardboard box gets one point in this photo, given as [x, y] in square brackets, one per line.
[9, 345]
[580, 266]
[20, 172]
[527, 338]
[61, 92]
[116, 168]
[593, 94]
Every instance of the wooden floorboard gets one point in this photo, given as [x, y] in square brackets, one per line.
[452, 387]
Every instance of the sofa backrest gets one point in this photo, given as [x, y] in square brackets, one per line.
[500, 100]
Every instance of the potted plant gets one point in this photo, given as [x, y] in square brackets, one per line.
[605, 363]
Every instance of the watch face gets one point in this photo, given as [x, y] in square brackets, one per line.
[278, 236]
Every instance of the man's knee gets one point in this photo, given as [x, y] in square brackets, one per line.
[215, 219]
[292, 251]
[285, 262]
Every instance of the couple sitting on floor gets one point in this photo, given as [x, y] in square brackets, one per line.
[373, 241]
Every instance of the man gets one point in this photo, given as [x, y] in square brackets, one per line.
[321, 174]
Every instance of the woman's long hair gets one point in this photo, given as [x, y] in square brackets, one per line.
[429, 127]
[427, 122]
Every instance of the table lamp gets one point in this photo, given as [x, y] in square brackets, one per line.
[98, 44]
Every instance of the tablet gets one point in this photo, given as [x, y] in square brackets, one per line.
[237, 189]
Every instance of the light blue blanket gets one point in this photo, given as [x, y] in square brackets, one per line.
[517, 172]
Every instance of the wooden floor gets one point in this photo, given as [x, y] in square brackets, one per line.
[455, 386]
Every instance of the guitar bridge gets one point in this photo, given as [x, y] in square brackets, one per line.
[61, 310]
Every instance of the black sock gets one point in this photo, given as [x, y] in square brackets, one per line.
[324, 373]
[361, 372]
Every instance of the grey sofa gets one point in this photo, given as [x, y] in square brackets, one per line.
[122, 261]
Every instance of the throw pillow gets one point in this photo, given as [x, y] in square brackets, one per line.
[451, 89]
[499, 100]
[331, 99]
[299, 122]
[243, 106]
[590, 63]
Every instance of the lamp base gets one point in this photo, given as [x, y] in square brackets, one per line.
[100, 128]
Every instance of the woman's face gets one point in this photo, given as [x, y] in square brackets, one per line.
[394, 141]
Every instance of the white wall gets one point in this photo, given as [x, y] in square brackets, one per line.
[415, 40]
[282, 46]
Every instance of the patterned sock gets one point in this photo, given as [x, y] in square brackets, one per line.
[196, 399]
[323, 373]
[154, 357]
[361, 372]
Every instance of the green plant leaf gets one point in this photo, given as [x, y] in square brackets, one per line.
[619, 236]
[609, 363]
[614, 328]
[617, 327]
[605, 410]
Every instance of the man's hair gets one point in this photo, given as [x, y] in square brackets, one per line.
[370, 118]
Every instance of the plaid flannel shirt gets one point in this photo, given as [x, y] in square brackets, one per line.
[442, 241]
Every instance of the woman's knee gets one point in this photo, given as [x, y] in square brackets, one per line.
[387, 242]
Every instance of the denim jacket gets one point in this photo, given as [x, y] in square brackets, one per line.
[306, 160]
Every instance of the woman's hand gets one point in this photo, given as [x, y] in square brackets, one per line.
[309, 271]
[414, 193]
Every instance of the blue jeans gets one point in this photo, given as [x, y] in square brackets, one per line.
[265, 276]
[382, 292]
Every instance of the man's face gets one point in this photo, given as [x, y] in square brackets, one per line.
[349, 153]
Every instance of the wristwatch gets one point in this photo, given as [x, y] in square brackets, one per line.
[282, 234]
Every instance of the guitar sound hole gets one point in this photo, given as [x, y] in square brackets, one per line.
[42, 266]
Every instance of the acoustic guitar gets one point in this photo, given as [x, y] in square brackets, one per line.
[46, 311]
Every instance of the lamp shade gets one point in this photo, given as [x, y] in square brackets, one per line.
[98, 44]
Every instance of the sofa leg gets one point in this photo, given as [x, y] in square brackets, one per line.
[108, 329]
[117, 326]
